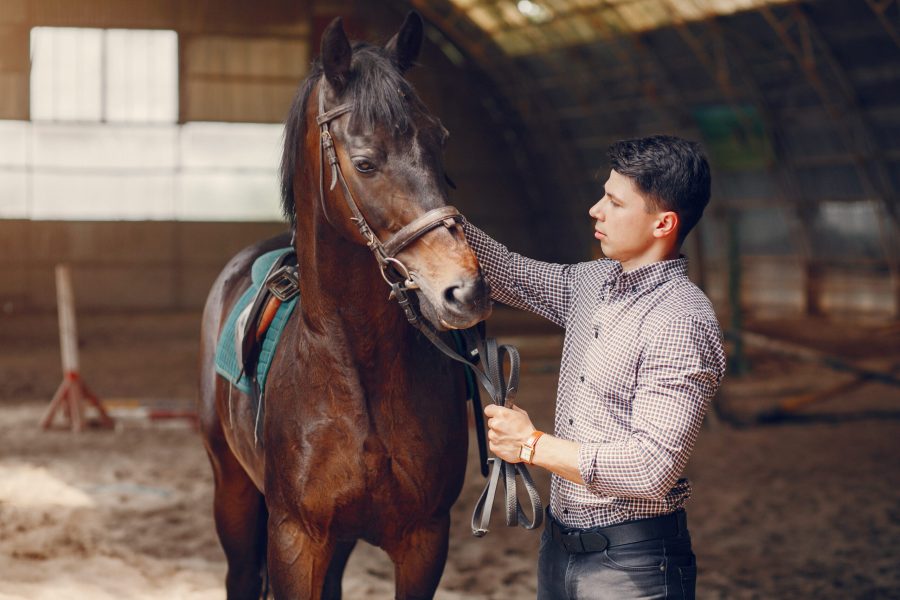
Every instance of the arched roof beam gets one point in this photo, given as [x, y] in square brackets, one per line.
[533, 108]
[788, 189]
[677, 115]
[839, 101]
[880, 8]
[483, 53]
[717, 67]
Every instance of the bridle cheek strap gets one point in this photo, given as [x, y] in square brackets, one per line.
[385, 253]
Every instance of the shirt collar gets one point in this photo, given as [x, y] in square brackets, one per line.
[648, 277]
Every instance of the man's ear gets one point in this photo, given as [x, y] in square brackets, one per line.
[666, 224]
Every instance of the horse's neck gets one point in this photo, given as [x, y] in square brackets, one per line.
[343, 295]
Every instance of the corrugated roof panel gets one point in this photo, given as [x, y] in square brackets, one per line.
[530, 26]
[486, 17]
[645, 14]
[465, 4]
[690, 10]
[583, 30]
[512, 16]
[513, 43]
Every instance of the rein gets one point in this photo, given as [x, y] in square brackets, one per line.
[501, 391]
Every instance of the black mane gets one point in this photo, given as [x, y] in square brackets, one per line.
[380, 95]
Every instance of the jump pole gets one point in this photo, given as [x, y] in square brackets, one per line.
[73, 392]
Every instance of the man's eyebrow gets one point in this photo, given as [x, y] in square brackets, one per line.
[611, 195]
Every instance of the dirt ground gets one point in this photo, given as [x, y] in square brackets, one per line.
[803, 508]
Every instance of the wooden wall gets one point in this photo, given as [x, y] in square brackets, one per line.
[239, 62]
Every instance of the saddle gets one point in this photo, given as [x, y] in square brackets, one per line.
[249, 338]
[280, 285]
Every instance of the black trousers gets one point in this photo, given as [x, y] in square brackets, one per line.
[658, 568]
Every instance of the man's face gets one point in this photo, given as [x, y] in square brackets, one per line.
[623, 225]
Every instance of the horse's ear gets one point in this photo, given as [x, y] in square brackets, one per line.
[336, 54]
[406, 43]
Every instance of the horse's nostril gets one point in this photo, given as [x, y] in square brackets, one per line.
[450, 294]
[464, 294]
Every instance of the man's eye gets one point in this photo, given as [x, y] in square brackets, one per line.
[364, 166]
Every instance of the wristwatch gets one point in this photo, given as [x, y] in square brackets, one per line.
[526, 452]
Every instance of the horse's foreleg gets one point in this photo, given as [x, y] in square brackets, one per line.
[240, 514]
[419, 558]
[297, 563]
[332, 588]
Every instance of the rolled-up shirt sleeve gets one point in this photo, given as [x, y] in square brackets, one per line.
[679, 373]
[540, 287]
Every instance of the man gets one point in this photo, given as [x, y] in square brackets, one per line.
[642, 357]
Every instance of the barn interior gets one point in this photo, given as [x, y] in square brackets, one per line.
[139, 146]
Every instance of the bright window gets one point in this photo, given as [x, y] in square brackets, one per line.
[136, 172]
[115, 75]
[104, 144]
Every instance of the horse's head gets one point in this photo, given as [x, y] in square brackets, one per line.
[388, 150]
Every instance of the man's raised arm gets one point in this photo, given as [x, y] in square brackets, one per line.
[540, 287]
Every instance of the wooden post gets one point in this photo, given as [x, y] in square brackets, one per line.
[813, 291]
[737, 362]
[72, 393]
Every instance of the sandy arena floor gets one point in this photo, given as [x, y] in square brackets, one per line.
[802, 509]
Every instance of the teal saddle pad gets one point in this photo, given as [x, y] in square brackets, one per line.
[228, 359]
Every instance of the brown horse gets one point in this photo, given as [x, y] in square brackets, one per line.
[364, 430]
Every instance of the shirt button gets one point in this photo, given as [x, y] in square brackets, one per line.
[581, 378]
[595, 334]
[570, 421]
[565, 511]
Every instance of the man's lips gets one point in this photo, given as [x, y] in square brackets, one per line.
[599, 234]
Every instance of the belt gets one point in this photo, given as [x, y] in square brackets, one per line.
[597, 539]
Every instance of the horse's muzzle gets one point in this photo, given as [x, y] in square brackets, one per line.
[465, 303]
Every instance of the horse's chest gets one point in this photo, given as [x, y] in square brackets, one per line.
[357, 453]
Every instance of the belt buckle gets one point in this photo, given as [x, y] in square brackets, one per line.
[284, 283]
[578, 543]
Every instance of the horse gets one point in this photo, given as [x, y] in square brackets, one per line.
[364, 431]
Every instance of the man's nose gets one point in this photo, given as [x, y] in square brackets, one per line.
[595, 211]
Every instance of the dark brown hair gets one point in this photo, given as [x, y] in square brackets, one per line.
[670, 172]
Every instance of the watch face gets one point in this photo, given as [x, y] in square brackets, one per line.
[525, 453]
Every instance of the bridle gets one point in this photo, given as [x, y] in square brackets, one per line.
[490, 354]
[385, 252]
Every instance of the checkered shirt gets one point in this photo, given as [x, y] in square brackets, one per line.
[642, 357]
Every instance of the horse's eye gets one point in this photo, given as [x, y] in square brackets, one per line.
[364, 166]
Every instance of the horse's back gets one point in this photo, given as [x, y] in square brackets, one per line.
[226, 290]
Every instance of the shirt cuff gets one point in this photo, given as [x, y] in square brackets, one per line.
[587, 465]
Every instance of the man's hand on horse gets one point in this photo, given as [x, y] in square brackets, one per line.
[508, 429]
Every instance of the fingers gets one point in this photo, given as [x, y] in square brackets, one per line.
[493, 410]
